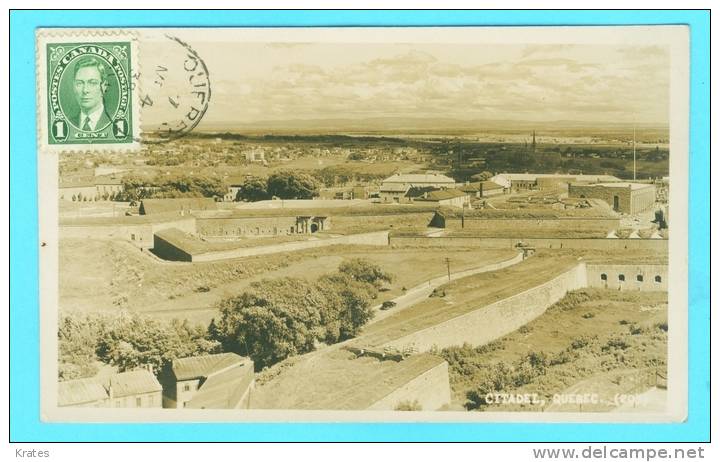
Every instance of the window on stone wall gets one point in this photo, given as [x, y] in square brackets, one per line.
[603, 277]
[621, 277]
[639, 278]
[658, 279]
[186, 387]
[138, 402]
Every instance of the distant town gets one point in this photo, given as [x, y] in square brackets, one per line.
[366, 271]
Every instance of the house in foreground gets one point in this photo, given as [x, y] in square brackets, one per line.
[132, 389]
[219, 381]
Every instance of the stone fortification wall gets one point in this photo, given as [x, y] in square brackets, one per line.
[658, 245]
[378, 238]
[628, 277]
[493, 321]
[431, 390]
[504, 225]
[247, 226]
[139, 234]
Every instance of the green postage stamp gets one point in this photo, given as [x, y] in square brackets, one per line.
[87, 93]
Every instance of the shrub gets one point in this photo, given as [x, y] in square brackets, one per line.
[615, 343]
[588, 315]
[572, 299]
[363, 270]
[408, 405]
[662, 326]
[580, 342]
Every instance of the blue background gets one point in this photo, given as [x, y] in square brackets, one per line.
[25, 425]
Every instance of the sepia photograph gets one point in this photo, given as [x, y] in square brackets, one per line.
[363, 224]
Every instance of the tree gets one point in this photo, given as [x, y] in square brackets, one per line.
[126, 341]
[290, 185]
[484, 176]
[360, 269]
[129, 341]
[253, 189]
[275, 319]
[77, 337]
[280, 318]
[348, 305]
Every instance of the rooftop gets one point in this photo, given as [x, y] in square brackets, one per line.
[223, 390]
[80, 391]
[419, 178]
[203, 366]
[130, 383]
[579, 177]
[444, 194]
[394, 187]
[134, 383]
[480, 186]
[337, 379]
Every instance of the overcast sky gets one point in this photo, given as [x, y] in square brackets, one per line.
[254, 82]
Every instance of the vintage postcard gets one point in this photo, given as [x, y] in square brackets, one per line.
[471, 224]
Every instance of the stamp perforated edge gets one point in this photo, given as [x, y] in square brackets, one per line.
[48, 35]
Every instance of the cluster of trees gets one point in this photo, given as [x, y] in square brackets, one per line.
[106, 196]
[273, 320]
[283, 184]
[341, 175]
[178, 185]
[280, 318]
[126, 341]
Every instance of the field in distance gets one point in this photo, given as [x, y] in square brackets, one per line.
[100, 275]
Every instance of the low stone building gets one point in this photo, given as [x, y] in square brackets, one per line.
[394, 193]
[180, 206]
[482, 189]
[545, 181]
[630, 198]
[446, 197]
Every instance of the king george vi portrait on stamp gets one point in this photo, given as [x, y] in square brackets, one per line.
[89, 93]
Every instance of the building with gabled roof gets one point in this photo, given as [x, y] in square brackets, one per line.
[419, 180]
[446, 197]
[218, 381]
[82, 393]
[482, 189]
[131, 389]
[531, 181]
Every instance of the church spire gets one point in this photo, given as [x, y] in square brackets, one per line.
[533, 142]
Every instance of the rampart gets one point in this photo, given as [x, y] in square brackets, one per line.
[137, 230]
[658, 245]
[527, 226]
[173, 245]
[490, 322]
[628, 277]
